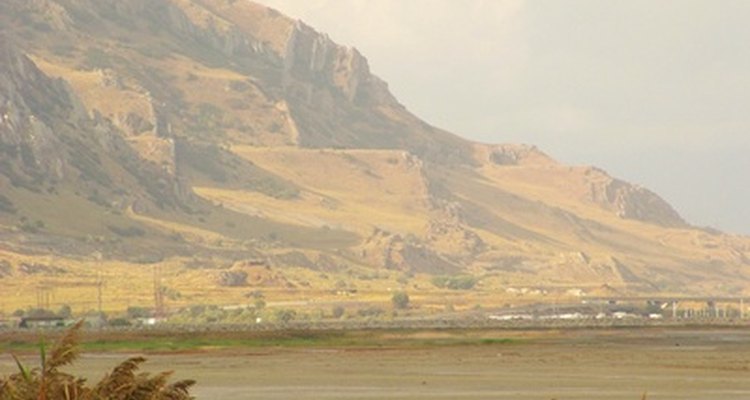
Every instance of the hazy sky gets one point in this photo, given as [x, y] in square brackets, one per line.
[655, 92]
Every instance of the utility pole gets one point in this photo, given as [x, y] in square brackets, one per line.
[742, 308]
[98, 256]
[158, 293]
[43, 296]
[99, 284]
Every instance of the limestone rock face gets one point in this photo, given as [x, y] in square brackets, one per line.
[404, 253]
[634, 202]
[48, 138]
[630, 201]
[29, 102]
[516, 154]
[312, 57]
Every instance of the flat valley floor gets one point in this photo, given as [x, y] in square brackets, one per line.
[683, 364]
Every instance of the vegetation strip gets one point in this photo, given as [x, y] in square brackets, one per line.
[175, 342]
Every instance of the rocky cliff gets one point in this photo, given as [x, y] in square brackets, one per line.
[220, 128]
[51, 145]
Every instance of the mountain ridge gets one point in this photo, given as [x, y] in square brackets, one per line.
[177, 132]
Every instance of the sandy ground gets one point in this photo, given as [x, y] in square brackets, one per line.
[668, 364]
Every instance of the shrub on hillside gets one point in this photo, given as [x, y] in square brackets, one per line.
[461, 282]
[139, 312]
[284, 316]
[338, 312]
[233, 278]
[400, 300]
[127, 232]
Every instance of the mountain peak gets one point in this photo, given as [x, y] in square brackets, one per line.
[219, 129]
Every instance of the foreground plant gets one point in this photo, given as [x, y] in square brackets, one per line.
[47, 382]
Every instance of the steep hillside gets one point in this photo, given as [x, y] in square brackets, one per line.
[58, 164]
[218, 136]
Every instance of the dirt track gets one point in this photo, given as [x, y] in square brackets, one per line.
[668, 364]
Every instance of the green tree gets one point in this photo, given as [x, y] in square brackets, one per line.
[400, 300]
[284, 316]
[138, 312]
[338, 312]
[65, 311]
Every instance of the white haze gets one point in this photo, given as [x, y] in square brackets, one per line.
[655, 92]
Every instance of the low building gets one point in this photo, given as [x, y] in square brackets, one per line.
[43, 321]
[9, 323]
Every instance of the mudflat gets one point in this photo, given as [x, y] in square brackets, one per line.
[687, 363]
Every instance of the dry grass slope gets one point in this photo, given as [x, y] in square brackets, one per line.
[217, 99]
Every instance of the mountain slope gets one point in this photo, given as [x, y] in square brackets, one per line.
[222, 133]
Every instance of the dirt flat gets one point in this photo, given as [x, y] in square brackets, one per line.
[668, 364]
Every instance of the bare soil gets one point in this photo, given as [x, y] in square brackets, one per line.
[672, 363]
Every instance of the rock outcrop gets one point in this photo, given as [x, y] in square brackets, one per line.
[630, 201]
[29, 104]
[48, 139]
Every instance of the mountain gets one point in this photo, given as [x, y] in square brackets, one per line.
[216, 136]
